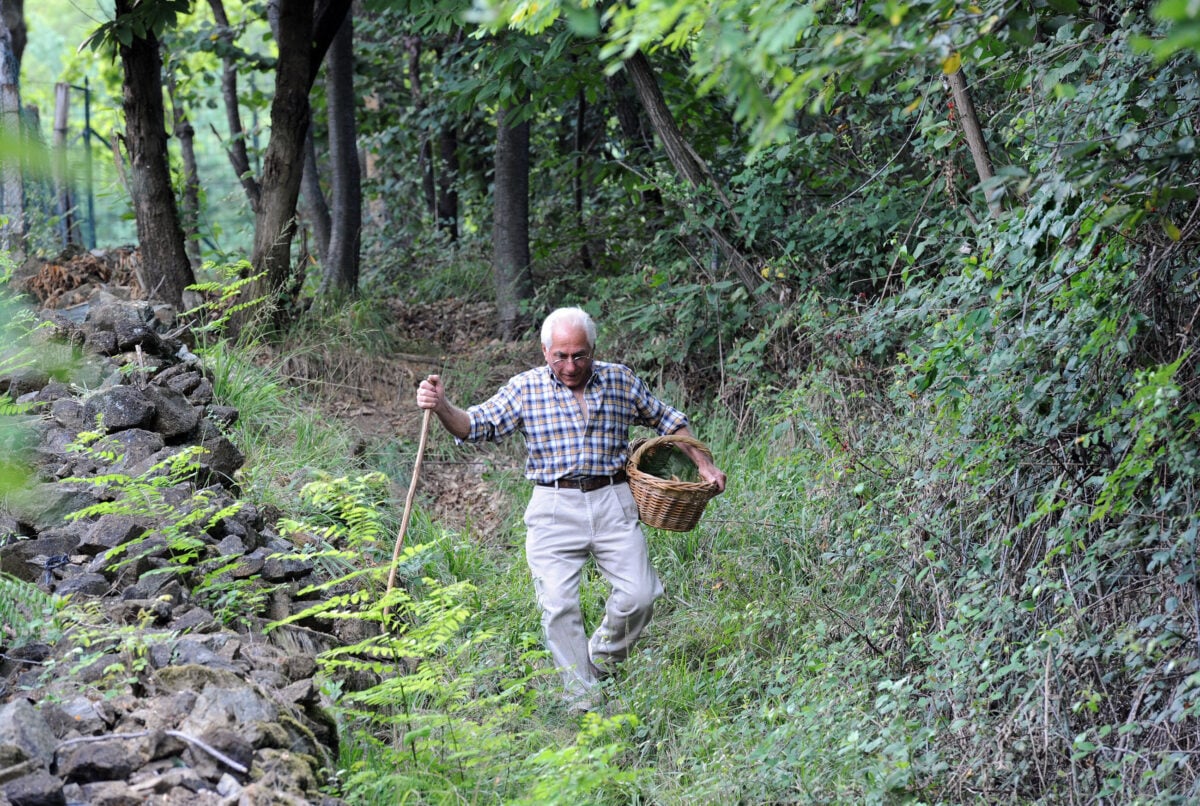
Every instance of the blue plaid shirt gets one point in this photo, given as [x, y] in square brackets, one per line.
[560, 442]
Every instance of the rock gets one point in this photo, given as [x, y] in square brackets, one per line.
[224, 416]
[231, 546]
[102, 342]
[131, 335]
[223, 457]
[174, 413]
[238, 707]
[250, 565]
[21, 558]
[24, 735]
[194, 620]
[302, 692]
[184, 381]
[44, 505]
[23, 380]
[285, 569]
[36, 789]
[119, 408]
[79, 715]
[188, 651]
[99, 669]
[105, 759]
[171, 670]
[229, 742]
[132, 446]
[203, 393]
[68, 413]
[86, 583]
[146, 612]
[105, 793]
[110, 531]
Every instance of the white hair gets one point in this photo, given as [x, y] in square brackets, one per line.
[574, 317]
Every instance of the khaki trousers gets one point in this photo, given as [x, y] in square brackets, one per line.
[565, 527]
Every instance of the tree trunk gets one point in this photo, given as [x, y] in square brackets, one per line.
[165, 267]
[376, 207]
[447, 176]
[64, 207]
[12, 183]
[238, 155]
[190, 212]
[638, 141]
[312, 197]
[303, 34]
[581, 148]
[275, 222]
[341, 264]
[510, 235]
[425, 152]
[448, 168]
[973, 133]
[12, 15]
[687, 163]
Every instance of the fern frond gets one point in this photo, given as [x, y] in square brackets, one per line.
[28, 611]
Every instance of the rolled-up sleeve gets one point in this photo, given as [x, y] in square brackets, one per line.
[652, 412]
[496, 417]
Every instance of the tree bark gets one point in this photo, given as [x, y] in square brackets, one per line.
[342, 263]
[425, 152]
[64, 207]
[447, 170]
[510, 234]
[239, 156]
[303, 35]
[376, 207]
[12, 182]
[687, 163]
[973, 133]
[314, 205]
[581, 148]
[190, 207]
[638, 141]
[12, 14]
[166, 271]
[447, 176]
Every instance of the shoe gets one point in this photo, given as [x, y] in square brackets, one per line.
[580, 706]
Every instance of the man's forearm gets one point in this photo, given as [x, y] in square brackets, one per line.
[454, 419]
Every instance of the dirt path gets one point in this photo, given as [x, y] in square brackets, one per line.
[377, 399]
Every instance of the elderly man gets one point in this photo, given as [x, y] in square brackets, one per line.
[575, 413]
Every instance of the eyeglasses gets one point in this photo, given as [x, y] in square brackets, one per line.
[578, 358]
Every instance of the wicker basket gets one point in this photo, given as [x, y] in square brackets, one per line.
[667, 503]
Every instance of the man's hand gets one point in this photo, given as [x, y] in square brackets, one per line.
[713, 475]
[431, 394]
[704, 463]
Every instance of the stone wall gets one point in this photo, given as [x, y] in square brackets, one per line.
[152, 699]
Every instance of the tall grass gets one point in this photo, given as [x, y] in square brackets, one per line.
[755, 683]
[284, 436]
[761, 678]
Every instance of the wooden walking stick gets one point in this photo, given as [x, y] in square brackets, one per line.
[408, 502]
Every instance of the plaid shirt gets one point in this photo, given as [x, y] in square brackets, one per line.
[560, 442]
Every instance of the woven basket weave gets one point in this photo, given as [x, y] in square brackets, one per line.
[667, 503]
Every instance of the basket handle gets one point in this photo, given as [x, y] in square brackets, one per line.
[641, 446]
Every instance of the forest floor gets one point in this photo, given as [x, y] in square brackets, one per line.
[375, 396]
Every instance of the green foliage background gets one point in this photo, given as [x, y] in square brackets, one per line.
[956, 560]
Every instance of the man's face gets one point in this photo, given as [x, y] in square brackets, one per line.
[570, 356]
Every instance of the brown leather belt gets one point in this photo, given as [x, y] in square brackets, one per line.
[585, 483]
